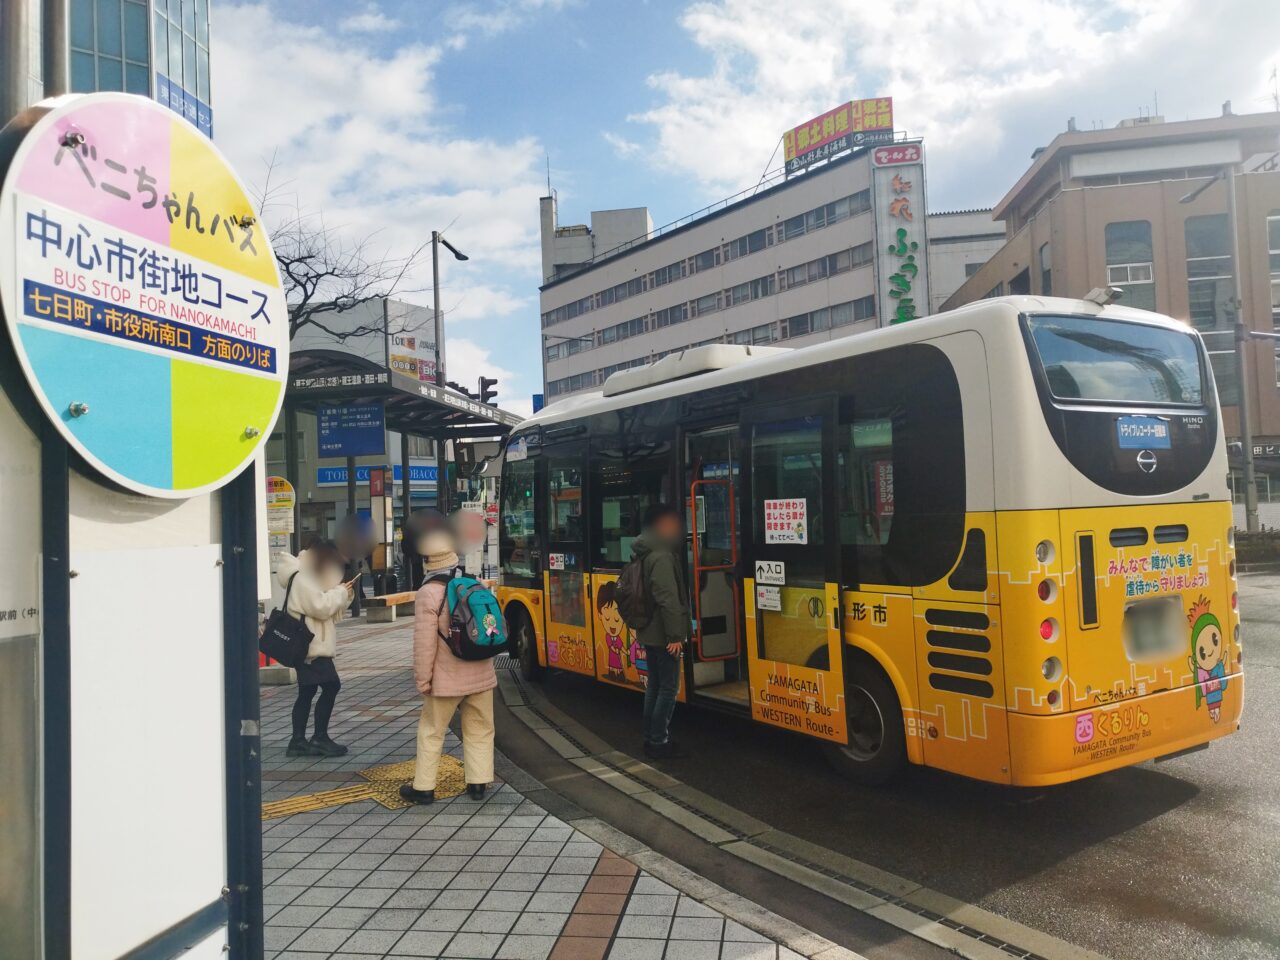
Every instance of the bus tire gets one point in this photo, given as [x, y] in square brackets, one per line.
[877, 748]
[525, 646]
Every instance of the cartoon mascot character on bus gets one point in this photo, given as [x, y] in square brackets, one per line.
[1208, 658]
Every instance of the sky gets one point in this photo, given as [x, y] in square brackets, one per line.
[391, 118]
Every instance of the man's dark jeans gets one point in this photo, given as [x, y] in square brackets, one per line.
[660, 694]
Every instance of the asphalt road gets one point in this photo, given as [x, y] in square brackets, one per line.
[1175, 860]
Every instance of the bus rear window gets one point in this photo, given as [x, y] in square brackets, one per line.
[1112, 361]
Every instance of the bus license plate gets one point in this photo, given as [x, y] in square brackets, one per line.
[1142, 433]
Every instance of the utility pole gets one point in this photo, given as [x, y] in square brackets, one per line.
[435, 290]
[57, 47]
[1242, 365]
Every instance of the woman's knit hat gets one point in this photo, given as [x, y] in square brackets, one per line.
[437, 551]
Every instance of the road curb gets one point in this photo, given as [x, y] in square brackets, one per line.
[962, 928]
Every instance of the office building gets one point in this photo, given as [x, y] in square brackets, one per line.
[960, 242]
[1115, 207]
[830, 252]
[156, 48]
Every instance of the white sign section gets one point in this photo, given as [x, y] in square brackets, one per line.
[141, 295]
[773, 572]
[555, 561]
[786, 521]
[768, 598]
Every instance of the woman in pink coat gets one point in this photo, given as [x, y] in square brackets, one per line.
[447, 683]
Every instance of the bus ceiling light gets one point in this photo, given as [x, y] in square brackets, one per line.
[1049, 629]
[1104, 296]
[1044, 551]
[1051, 669]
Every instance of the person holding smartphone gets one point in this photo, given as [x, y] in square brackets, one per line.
[318, 595]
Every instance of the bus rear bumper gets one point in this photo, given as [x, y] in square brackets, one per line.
[1047, 750]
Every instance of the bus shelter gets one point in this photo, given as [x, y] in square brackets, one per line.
[411, 407]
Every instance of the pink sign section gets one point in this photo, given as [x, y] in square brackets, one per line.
[108, 161]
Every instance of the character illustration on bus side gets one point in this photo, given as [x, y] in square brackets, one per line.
[619, 666]
[1207, 660]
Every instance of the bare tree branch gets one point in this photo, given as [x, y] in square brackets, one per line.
[324, 272]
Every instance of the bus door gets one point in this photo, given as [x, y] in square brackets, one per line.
[565, 567]
[791, 568]
[711, 471]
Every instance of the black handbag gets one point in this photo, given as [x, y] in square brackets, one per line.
[284, 638]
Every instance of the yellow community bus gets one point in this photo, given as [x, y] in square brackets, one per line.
[997, 541]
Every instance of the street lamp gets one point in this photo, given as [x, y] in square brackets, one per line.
[437, 238]
[1242, 334]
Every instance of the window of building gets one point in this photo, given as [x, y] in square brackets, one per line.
[1046, 272]
[751, 243]
[668, 274]
[1021, 283]
[109, 46]
[708, 304]
[705, 260]
[996, 291]
[1210, 292]
[422, 447]
[1129, 262]
[971, 268]
[671, 315]
[517, 538]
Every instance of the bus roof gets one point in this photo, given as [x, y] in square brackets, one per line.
[705, 374]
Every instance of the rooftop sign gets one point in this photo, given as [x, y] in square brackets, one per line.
[850, 125]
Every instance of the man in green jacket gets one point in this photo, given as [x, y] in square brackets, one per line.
[657, 549]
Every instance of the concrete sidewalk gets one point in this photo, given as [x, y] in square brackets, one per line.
[363, 877]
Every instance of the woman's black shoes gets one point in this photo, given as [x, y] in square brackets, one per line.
[476, 790]
[301, 747]
[324, 747]
[417, 796]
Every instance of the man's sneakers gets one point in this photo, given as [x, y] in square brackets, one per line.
[663, 751]
[324, 747]
[476, 790]
[417, 796]
[301, 747]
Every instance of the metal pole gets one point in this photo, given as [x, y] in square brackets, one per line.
[291, 470]
[435, 290]
[405, 507]
[443, 494]
[1242, 381]
[16, 58]
[57, 47]
[351, 486]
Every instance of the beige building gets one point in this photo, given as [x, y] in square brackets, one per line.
[1104, 207]
[845, 247]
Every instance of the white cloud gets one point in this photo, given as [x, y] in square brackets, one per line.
[467, 361]
[971, 76]
[371, 20]
[623, 147]
[357, 135]
[498, 16]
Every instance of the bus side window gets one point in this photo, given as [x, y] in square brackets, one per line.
[518, 537]
[566, 540]
[901, 468]
[625, 479]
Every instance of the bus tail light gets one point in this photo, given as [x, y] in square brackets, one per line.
[1235, 600]
[1051, 669]
[1049, 629]
[1045, 551]
[1052, 698]
[1047, 591]
[1231, 568]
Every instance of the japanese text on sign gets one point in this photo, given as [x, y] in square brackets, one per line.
[786, 521]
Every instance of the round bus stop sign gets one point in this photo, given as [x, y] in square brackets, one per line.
[142, 297]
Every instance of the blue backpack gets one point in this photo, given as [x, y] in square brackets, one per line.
[477, 629]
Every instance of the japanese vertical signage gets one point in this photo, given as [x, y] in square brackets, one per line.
[854, 124]
[199, 114]
[351, 430]
[141, 295]
[899, 204]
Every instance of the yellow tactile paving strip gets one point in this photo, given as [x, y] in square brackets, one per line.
[383, 787]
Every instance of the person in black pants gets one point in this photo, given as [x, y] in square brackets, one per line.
[318, 594]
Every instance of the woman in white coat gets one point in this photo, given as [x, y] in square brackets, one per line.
[318, 594]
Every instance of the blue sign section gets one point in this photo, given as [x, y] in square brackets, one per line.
[539, 401]
[352, 430]
[132, 326]
[170, 94]
[331, 476]
[1142, 433]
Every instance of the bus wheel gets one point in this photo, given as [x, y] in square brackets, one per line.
[526, 648]
[877, 747]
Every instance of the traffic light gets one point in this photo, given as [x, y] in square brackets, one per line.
[487, 392]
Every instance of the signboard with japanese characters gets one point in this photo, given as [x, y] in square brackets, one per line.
[786, 521]
[141, 295]
[351, 430]
[898, 200]
[858, 123]
[281, 500]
